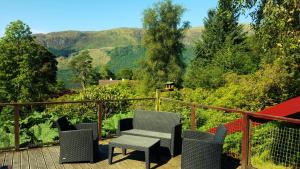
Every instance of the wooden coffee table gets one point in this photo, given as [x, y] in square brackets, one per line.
[146, 144]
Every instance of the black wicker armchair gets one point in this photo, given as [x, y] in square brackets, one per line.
[202, 150]
[77, 143]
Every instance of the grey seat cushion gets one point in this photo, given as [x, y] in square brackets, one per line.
[148, 133]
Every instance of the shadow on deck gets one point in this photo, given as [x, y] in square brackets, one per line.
[47, 158]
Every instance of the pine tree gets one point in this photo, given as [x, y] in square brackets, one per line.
[220, 29]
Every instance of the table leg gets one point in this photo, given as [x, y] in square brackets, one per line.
[147, 159]
[157, 152]
[110, 154]
[124, 151]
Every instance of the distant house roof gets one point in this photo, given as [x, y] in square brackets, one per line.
[109, 82]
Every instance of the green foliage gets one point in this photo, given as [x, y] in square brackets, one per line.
[87, 112]
[125, 57]
[222, 49]
[27, 70]
[204, 75]
[233, 143]
[81, 65]
[44, 132]
[277, 27]
[110, 125]
[163, 42]
[38, 128]
[125, 73]
[105, 73]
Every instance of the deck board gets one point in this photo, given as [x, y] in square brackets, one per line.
[24, 160]
[54, 157]
[32, 159]
[17, 160]
[48, 157]
[48, 160]
[2, 158]
[8, 158]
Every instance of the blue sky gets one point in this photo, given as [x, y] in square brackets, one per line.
[90, 15]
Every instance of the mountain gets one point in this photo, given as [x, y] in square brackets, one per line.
[116, 48]
[67, 42]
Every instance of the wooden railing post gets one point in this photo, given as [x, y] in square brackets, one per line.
[17, 127]
[99, 112]
[245, 142]
[193, 117]
[157, 103]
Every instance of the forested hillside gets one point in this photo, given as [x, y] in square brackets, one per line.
[114, 49]
[67, 42]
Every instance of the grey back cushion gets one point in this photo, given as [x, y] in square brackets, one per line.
[220, 134]
[155, 121]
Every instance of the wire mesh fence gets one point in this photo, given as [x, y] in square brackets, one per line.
[275, 145]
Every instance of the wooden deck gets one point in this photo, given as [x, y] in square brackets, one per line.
[47, 158]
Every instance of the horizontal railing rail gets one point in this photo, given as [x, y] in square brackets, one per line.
[67, 102]
[198, 105]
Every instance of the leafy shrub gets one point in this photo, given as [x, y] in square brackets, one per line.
[38, 128]
[110, 125]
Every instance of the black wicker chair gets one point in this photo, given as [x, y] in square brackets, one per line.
[202, 150]
[77, 143]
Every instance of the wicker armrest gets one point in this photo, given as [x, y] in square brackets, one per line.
[80, 137]
[92, 126]
[77, 133]
[124, 124]
[197, 135]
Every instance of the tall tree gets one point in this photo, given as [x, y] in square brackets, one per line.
[163, 42]
[27, 70]
[277, 27]
[81, 64]
[221, 33]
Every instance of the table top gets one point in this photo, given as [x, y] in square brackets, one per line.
[131, 140]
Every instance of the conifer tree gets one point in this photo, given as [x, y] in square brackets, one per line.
[221, 28]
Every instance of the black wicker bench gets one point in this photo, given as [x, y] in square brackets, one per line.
[146, 144]
[165, 126]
